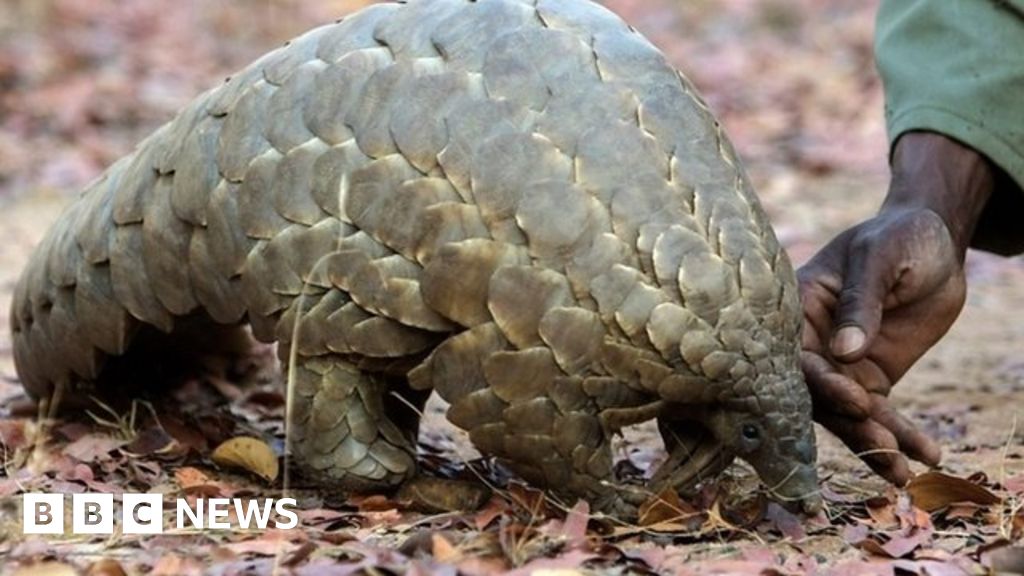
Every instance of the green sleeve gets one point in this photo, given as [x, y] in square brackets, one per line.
[957, 67]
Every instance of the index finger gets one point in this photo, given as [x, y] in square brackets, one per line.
[912, 441]
[874, 444]
[833, 392]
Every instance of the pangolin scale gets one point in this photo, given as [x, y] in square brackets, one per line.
[517, 204]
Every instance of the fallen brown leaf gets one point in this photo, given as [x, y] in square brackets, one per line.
[746, 514]
[1014, 484]
[46, 569]
[565, 565]
[896, 547]
[530, 499]
[861, 568]
[92, 447]
[882, 511]
[106, 567]
[319, 516]
[187, 435]
[575, 526]
[249, 454]
[494, 508]
[151, 442]
[269, 544]
[438, 495]
[300, 554]
[900, 546]
[188, 476]
[787, 523]
[14, 434]
[481, 565]
[174, 565]
[933, 491]
[375, 503]
[962, 510]
[665, 506]
[443, 550]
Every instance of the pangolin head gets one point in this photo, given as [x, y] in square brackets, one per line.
[734, 344]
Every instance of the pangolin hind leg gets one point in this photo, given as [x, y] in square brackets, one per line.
[346, 431]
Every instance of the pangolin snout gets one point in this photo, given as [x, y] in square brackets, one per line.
[795, 466]
[801, 493]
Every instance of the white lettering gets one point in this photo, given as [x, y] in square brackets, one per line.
[218, 508]
[282, 510]
[250, 510]
[196, 516]
[92, 513]
[142, 513]
[43, 514]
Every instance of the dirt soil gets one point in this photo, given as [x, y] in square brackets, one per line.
[794, 86]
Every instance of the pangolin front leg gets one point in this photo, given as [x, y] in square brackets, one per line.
[694, 456]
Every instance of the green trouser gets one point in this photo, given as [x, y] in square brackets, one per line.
[957, 67]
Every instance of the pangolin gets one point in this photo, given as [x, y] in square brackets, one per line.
[517, 204]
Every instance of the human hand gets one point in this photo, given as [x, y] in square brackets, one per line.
[882, 293]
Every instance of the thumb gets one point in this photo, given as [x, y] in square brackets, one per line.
[858, 316]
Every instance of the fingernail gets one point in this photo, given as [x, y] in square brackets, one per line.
[848, 341]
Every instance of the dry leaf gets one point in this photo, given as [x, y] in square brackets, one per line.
[443, 550]
[746, 513]
[494, 508]
[882, 511]
[787, 523]
[14, 434]
[106, 567]
[483, 565]
[896, 546]
[564, 565]
[665, 507]
[964, 510]
[189, 477]
[270, 544]
[575, 525]
[932, 491]
[439, 495]
[248, 454]
[375, 503]
[1014, 484]
[301, 554]
[46, 569]
[855, 533]
[900, 546]
[151, 442]
[530, 499]
[92, 447]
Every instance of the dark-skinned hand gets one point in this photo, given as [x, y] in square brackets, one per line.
[882, 293]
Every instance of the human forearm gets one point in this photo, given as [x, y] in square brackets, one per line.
[934, 172]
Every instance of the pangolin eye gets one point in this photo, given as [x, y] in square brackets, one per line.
[750, 432]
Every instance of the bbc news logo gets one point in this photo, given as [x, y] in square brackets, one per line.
[93, 513]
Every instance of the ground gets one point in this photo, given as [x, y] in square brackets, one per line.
[793, 83]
